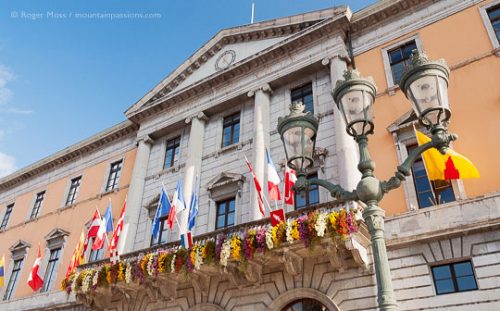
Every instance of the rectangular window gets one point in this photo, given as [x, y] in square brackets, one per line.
[50, 273]
[455, 277]
[305, 95]
[429, 193]
[225, 213]
[114, 175]
[162, 234]
[16, 269]
[73, 191]
[6, 216]
[398, 59]
[231, 130]
[494, 16]
[309, 197]
[95, 255]
[173, 147]
[38, 204]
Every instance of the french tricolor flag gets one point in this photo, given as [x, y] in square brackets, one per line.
[187, 240]
[273, 179]
[177, 205]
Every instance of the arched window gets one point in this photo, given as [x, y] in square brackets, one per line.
[305, 304]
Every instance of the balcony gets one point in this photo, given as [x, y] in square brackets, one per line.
[242, 255]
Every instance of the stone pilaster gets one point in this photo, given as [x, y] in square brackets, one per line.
[261, 138]
[193, 162]
[347, 150]
[135, 194]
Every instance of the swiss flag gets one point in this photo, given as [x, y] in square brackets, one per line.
[290, 179]
[277, 216]
[34, 280]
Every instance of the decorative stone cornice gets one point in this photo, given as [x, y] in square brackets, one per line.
[266, 88]
[19, 245]
[80, 149]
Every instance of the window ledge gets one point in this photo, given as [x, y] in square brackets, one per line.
[497, 51]
[31, 220]
[108, 192]
[391, 91]
[65, 207]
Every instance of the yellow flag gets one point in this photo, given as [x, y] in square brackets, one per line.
[451, 165]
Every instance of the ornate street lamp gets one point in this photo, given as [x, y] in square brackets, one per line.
[425, 84]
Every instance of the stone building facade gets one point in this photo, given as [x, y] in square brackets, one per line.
[222, 105]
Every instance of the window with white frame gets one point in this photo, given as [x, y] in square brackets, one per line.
[172, 152]
[14, 276]
[73, 190]
[397, 56]
[6, 216]
[35, 211]
[304, 94]
[18, 253]
[420, 191]
[490, 13]
[55, 245]
[114, 175]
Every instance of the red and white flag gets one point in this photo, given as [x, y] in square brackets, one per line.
[113, 244]
[290, 179]
[94, 225]
[258, 188]
[34, 280]
[273, 179]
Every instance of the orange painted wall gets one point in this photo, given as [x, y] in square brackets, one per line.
[71, 219]
[474, 99]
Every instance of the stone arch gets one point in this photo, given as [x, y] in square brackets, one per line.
[206, 307]
[299, 293]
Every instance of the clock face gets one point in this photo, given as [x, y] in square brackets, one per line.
[225, 60]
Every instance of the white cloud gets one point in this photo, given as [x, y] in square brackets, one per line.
[19, 111]
[7, 164]
[5, 92]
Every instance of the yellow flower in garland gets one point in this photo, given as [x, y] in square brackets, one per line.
[235, 248]
[203, 252]
[277, 233]
[192, 254]
[108, 276]
[121, 272]
[333, 220]
[144, 263]
[295, 230]
[162, 259]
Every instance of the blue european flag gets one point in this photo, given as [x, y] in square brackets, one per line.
[162, 210]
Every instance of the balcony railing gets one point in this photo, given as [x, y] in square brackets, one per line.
[239, 253]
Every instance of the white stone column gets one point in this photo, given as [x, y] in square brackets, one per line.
[134, 196]
[347, 150]
[193, 162]
[261, 138]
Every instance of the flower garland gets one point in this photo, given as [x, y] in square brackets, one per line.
[240, 247]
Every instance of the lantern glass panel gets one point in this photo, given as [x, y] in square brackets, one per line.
[429, 96]
[357, 109]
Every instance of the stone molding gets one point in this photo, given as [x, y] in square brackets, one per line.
[80, 149]
[299, 293]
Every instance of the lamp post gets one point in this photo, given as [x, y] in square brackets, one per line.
[425, 84]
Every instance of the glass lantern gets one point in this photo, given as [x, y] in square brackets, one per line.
[425, 84]
[298, 133]
[354, 97]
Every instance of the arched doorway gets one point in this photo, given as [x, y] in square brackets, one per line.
[305, 304]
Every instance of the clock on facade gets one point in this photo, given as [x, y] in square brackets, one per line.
[225, 60]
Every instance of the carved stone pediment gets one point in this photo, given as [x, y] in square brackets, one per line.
[18, 250]
[224, 184]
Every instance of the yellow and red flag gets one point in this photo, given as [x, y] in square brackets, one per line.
[78, 255]
[451, 165]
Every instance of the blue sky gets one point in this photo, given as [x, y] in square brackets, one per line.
[63, 79]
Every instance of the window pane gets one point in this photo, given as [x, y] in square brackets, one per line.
[442, 272]
[222, 208]
[220, 221]
[445, 195]
[444, 286]
[231, 205]
[300, 201]
[395, 56]
[168, 159]
[236, 134]
[466, 283]
[463, 269]
[494, 13]
[408, 48]
[397, 72]
[230, 219]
